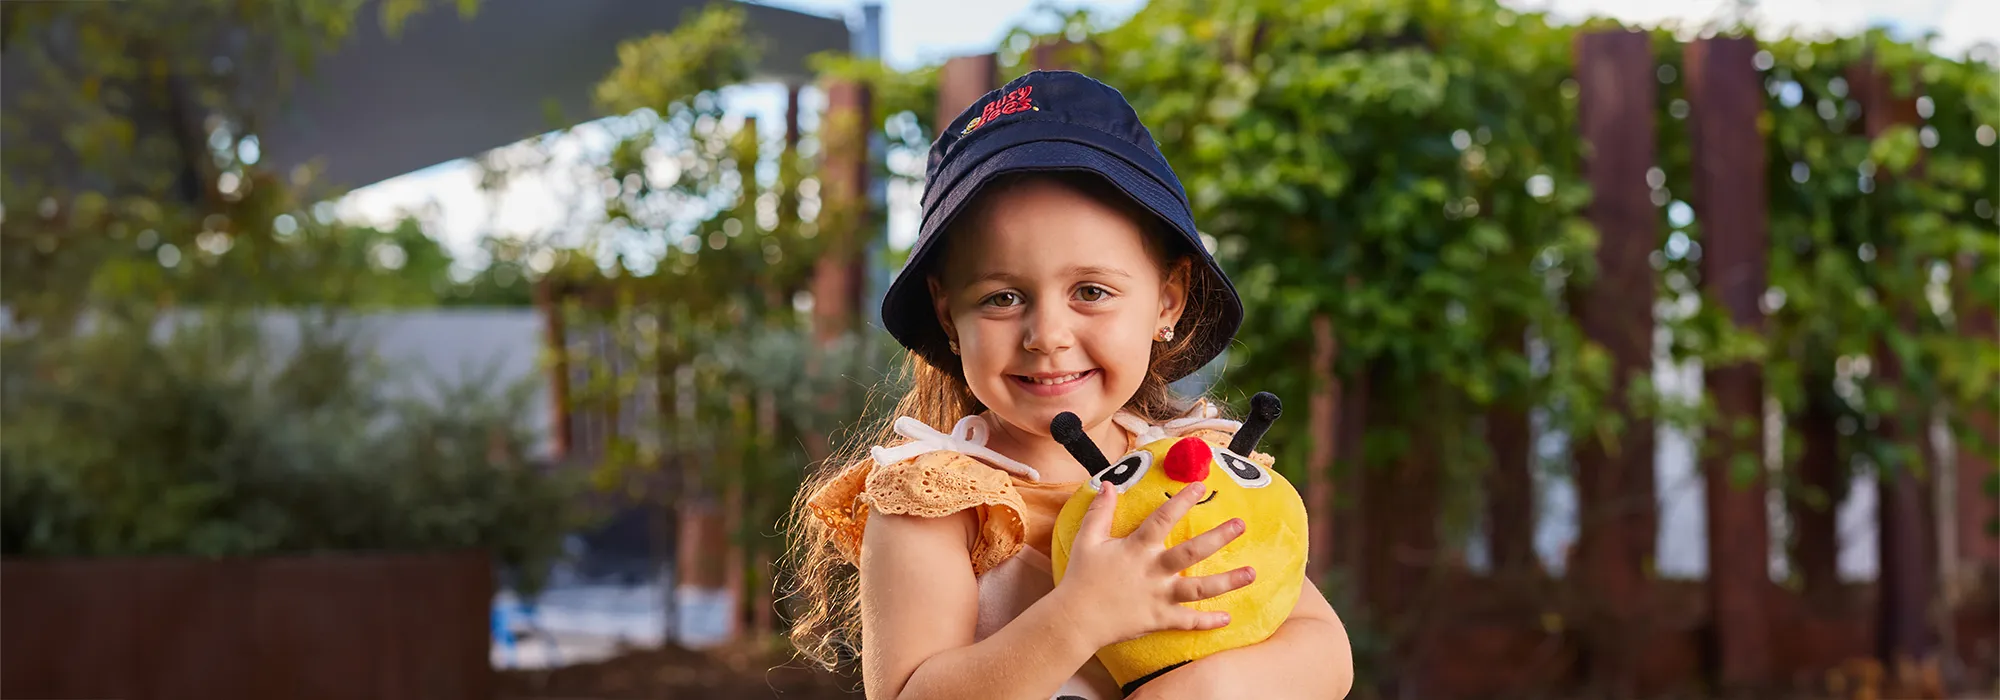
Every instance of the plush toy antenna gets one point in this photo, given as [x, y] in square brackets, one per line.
[1264, 410]
[1068, 430]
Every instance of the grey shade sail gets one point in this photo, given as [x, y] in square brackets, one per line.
[448, 88]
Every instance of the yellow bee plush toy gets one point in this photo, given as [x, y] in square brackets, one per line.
[1274, 540]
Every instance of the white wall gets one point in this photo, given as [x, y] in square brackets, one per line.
[451, 346]
[425, 346]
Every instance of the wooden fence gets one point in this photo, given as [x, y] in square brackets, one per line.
[1608, 624]
[383, 627]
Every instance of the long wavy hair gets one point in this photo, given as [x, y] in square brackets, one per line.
[823, 590]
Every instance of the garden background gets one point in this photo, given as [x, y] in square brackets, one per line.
[1624, 360]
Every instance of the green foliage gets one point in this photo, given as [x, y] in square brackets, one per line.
[691, 337]
[308, 263]
[396, 12]
[905, 104]
[1407, 170]
[894, 92]
[709, 49]
[506, 277]
[1881, 247]
[134, 172]
[204, 437]
[1990, 486]
[135, 187]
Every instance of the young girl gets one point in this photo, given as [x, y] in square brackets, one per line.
[1058, 269]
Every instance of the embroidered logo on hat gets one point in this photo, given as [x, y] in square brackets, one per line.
[1016, 101]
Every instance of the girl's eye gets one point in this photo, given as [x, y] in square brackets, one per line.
[1092, 293]
[1003, 299]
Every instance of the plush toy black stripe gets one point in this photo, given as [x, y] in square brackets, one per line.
[1132, 687]
[1264, 410]
[1068, 430]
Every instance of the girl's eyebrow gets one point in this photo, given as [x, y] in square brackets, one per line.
[1073, 271]
[1098, 271]
[1001, 277]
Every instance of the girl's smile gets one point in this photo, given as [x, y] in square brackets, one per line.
[1052, 384]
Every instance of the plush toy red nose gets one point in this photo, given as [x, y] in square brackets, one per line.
[1188, 460]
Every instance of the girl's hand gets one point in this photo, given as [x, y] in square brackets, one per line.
[1119, 588]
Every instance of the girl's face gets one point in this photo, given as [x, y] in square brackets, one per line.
[1055, 300]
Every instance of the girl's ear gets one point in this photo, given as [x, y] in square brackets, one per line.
[1173, 293]
[941, 305]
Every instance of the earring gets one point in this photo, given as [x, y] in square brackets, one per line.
[1166, 334]
[953, 344]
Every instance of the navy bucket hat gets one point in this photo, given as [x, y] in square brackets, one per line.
[1052, 121]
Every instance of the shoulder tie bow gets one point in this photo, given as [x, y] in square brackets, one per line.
[968, 438]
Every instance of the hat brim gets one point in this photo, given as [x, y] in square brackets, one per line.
[907, 309]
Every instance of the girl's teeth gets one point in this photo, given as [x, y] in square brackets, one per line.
[1058, 380]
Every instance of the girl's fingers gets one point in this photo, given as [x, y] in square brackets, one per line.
[1096, 522]
[1191, 619]
[1202, 546]
[1161, 522]
[1188, 590]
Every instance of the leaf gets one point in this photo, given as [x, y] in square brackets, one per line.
[1743, 470]
[1896, 149]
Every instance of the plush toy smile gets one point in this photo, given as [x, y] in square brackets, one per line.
[1273, 542]
[1203, 501]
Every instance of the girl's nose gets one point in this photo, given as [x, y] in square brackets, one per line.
[1188, 460]
[1049, 331]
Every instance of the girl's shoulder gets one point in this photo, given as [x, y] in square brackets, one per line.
[930, 474]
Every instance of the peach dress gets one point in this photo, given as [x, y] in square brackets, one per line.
[935, 475]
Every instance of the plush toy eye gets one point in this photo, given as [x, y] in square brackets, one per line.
[1244, 472]
[1126, 471]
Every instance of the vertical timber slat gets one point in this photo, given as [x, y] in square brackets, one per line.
[1906, 580]
[839, 273]
[1323, 415]
[1055, 55]
[549, 299]
[1978, 317]
[962, 81]
[1726, 99]
[1510, 483]
[1614, 71]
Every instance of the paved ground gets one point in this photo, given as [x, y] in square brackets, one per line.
[723, 673]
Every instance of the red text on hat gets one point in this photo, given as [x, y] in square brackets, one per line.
[1016, 101]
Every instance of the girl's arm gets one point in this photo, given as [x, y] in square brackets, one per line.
[1308, 657]
[920, 603]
